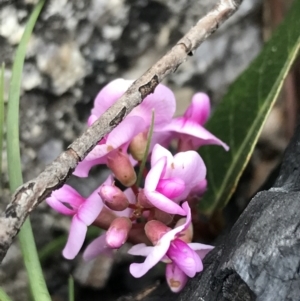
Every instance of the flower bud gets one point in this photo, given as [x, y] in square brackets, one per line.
[120, 165]
[138, 146]
[155, 230]
[175, 277]
[163, 216]
[113, 197]
[118, 231]
[142, 199]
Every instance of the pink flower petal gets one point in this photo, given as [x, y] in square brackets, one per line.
[90, 209]
[76, 238]
[189, 167]
[140, 250]
[176, 278]
[171, 188]
[184, 257]
[92, 119]
[199, 110]
[197, 133]
[163, 203]
[126, 131]
[157, 253]
[162, 101]
[119, 136]
[200, 188]
[96, 247]
[159, 152]
[109, 95]
[201, 249]
[155, 174]
[83, 168]
[65, 200]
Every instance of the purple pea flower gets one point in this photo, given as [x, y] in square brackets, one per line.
[162, 101]
[184, 259]
[99, 245]
[189, 128]
[68, 201]
[171, 179]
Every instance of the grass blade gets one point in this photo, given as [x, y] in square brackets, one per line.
[71, 288]
[36, 280]
[1, 113]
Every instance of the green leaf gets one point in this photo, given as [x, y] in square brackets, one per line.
[1, 113]
[240, 117]
[36, 280]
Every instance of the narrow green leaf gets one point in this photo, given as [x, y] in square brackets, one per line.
[71, 289]
[31, 261]
[3, 295]
[1, 113]
[239, 119]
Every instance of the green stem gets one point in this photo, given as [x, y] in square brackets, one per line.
[4, 296]
[71, 288]
[1, 114]
[34, 271]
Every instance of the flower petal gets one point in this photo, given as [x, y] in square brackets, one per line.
[126, 131]
[65, 200]
[199, 110]
[160, 152]
[162, 101]
[140, 250]
[159, 250]
[175, 277]
[184, 257]
[171, 188]
[96, 247]
[157, 253]
[201, 249]
[155, 174]
[83, 168]
[189, 167]
[109, 94]
[163, 203]
[91, 208]
[76, 238]
[199, 135]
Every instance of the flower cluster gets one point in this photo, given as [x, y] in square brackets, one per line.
[153, 214]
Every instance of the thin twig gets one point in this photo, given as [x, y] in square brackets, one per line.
[29, 195]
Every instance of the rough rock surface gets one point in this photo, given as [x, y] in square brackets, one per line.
[80, 45]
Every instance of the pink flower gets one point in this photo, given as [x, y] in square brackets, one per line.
[162, 101]
[68, 201]
[189, 128]
[99, 245]
[171, 179]
[186, 258]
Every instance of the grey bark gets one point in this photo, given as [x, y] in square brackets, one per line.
[260, 258]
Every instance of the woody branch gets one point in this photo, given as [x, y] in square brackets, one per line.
[29, 195]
